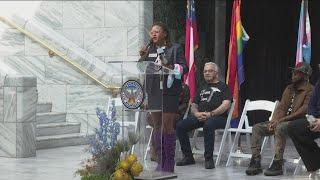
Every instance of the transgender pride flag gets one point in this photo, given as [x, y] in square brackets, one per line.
[235, 72]
[304, 35]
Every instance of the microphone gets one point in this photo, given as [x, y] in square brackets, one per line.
[149, 44]
[143, 57]
[162, 57]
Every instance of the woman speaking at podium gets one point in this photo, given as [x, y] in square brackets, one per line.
[163, 94]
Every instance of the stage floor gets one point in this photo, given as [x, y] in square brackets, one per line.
[61, 163]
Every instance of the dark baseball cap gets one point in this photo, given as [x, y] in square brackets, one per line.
[303, 67]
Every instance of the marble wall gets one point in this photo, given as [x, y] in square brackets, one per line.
[18, 101]
[107, 30]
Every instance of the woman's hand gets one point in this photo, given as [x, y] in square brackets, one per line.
[315, 127]
[169, 66]
[143, 51]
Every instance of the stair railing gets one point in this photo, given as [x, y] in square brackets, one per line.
[53, 51]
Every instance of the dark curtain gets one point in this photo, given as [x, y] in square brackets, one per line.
[205, 26]
[272, 26]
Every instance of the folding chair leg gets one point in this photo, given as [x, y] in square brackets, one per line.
[221, 148]
[271, 161]
[272, 147]
[272, 142]
[298, 167]
[265, 140]
[235, 142]
[194, 139]
[248, 140]
[178, 146]
[148, 145]
[132, 149]
[230, 139]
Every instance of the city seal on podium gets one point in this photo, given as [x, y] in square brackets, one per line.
[131, 94]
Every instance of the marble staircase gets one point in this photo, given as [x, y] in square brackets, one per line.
[53, 131]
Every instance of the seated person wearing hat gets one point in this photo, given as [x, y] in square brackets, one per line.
[293, 106]
[303, 132]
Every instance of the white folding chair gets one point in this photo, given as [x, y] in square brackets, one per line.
[124, 124]
[249, 106]
[218, 153]
[298, 166]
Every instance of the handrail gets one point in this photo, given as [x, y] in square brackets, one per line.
[57, 52]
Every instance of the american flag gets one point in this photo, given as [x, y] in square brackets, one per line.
[190, 46]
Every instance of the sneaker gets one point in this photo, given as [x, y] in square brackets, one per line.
[275, 169]
[254, 167]
[186, 161]
[209, 164]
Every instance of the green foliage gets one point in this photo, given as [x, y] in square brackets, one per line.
[104, 164]
[96, 177]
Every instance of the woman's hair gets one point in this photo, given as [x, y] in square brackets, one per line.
[165, 29]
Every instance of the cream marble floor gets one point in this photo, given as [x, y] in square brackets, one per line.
[61, 163]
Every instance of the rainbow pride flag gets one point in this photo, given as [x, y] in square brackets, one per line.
[235, 72]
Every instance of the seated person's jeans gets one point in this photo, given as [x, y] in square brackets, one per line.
[209, 127]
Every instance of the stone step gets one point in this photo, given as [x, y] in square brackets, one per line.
[51, 117]
[74, 139]
[44, 107]
[57, 128]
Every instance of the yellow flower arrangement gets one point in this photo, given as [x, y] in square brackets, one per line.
[127, 168]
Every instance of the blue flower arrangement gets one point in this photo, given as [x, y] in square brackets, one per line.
[107, 133]
[105, 147]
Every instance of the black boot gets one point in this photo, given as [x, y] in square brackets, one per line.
[187, 160]
[254, 167]
[209, 163]
[275, 169]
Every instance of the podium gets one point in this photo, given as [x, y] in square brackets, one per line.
[142, 93]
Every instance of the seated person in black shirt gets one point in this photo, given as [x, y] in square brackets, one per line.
[209, 110]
